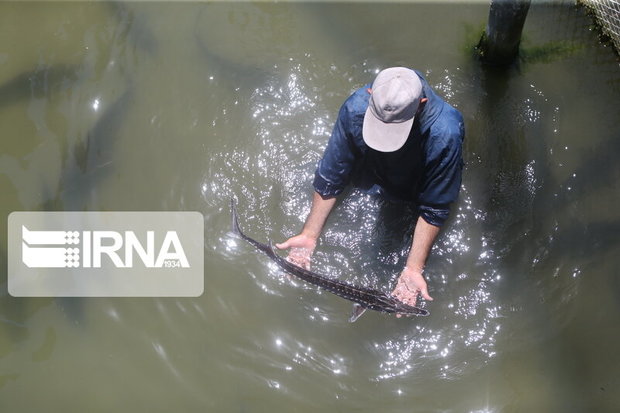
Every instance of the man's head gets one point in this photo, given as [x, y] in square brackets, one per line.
[395, 97]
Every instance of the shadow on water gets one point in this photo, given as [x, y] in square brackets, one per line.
[91, 160]
[135, 26]
[86, 165]
[89, 164]
[35, 83]
[533, 219]
[597, 171]
[509, 193]
[548, 52]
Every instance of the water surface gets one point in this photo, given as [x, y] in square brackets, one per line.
[179, 106]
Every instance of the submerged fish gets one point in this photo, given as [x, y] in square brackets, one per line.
[363, 298]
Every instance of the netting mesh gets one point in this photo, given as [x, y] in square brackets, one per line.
[608, 15]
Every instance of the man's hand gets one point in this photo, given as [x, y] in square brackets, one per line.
[302, 247]
[410, 284]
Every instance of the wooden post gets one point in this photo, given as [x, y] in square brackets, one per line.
[499, 45]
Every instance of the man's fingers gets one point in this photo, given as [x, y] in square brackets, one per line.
[283, 245]
[406, 295]
[303, 264]
[299, 257]
[411, 300]
[425, 295]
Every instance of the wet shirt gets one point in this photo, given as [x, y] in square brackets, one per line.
[426, 170]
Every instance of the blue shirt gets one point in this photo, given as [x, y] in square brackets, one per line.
[426, 170]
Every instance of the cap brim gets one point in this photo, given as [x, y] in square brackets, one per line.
[385, 137]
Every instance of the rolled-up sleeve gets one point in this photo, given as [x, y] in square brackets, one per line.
[334, 169]
[443, 172]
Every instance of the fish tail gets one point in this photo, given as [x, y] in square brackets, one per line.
[233, 216]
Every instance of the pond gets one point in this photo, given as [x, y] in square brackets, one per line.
[166, 106]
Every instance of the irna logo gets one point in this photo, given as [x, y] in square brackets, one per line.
[87, 249]
[106, 254]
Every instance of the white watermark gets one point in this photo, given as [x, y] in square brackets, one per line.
[105, 254]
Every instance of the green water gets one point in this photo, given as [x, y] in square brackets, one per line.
[179, 106]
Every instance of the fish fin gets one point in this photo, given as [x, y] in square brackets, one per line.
[357, 312]
[233, 215]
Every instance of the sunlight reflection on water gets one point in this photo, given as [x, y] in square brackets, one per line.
[239, 103]
[465, 272]
[349, 250]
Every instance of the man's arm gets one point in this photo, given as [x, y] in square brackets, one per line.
[411, 282]
[331, 176]
[444, 166]
[303, 245]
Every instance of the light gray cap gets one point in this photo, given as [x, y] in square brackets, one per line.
[394, 101]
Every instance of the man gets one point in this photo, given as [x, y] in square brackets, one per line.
[399, 140]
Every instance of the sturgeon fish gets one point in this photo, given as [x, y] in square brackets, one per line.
[363, 298]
